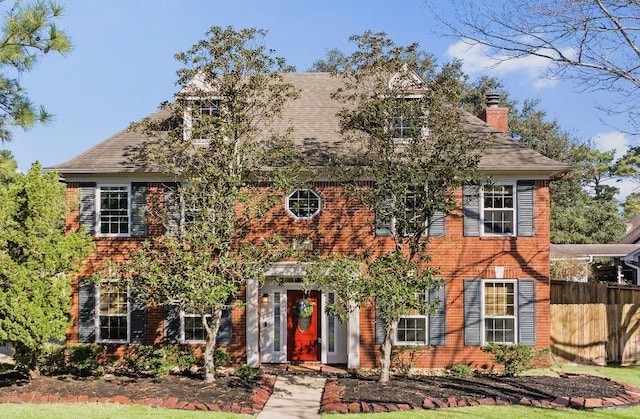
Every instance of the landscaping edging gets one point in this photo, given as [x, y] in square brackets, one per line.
[332, 403]
[259, 397]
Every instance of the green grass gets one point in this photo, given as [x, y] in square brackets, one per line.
[102, 411]
[629, 375]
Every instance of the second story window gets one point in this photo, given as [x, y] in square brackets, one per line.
[499, 209]
[303, 204]
[113, 209]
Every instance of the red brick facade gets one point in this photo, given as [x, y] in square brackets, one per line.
[343, 226]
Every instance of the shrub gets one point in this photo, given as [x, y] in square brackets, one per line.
[461, 370]
[83, 358]
[220, 357]
[515, 358]
[147, 359]
[404, 359]
[52, 359]
[245, 372]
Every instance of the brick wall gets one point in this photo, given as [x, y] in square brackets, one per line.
[343, 226]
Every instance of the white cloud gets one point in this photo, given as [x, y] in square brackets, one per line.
[614, 140]
[478, 59]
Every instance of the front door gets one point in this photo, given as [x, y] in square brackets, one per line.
[302, 333]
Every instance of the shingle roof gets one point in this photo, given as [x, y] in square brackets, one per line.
[313, 117]
[583, 251]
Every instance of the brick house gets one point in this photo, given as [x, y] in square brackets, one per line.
[493, 253]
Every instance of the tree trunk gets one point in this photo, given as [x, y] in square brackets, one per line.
[211, 327]
[385, 349]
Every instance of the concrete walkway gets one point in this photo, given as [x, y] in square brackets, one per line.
[294, 396]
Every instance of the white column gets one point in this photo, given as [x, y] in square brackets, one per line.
[353, 339]
[253, 324]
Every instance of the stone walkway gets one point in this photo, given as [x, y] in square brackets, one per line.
[294, 396]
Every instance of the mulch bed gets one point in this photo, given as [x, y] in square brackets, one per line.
[227, 393]
[351, 395]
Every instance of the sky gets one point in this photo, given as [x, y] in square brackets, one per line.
[122, 67]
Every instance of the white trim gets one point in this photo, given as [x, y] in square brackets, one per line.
[514, 210]
[98, 210]
[515, 309]
[252, 327]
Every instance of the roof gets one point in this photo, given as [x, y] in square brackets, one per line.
[586, 251]
[316, 132]
[633, 231]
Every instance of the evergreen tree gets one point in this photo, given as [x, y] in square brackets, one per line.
[37, 262]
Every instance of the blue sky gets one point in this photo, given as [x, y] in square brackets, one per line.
[122, 66]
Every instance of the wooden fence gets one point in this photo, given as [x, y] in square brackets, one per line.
[595, 323]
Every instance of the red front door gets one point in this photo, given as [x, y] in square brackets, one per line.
[302, 334]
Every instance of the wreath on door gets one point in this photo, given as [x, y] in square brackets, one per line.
[303, 308]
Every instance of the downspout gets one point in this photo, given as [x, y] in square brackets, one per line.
[633, 264]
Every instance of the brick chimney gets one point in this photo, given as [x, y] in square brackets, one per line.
[495, 115]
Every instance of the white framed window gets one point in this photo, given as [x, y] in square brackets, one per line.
[113, 319]
[409, 119]
[113, 210]
[499, 311]
[413, 328]
[191, 328]
[304, 204]
[498, 209]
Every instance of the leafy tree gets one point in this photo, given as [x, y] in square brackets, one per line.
[594, 43]
[406, 141]
[632, 205]
[232, 89]
[28, 32]
[37, 263]
[8, 166]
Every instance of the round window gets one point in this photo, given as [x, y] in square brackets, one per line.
[303, 204]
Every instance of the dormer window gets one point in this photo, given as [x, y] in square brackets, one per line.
[409, 119]
[199, 119]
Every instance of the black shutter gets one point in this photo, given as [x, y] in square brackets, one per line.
[138, 209]
[438, 320]
[172, 209]
[171, 324]
[527, 312]
[526, 206]
[88, 207]
[471, 210]
[380, 332]
[224, 331]
[472, 311]
[138, 321]
[86, 312]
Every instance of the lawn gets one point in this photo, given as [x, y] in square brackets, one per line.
[101, 410]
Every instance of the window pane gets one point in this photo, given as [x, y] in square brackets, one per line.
[411, 330]
[498, 209]
[304, 203]
[113, 312]
[114, 209]
[276, 322]
[499, 312]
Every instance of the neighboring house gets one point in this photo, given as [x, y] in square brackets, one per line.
[493, 254]
[582, 262]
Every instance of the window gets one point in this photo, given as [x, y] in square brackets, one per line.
[209, 107]
[277, 332]
[192, 327]
[387, 224]
[499, 311]
[304, 204]
[114, 210]
[412, 329]
[409, 119]
[113, 312]
[498, 209]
